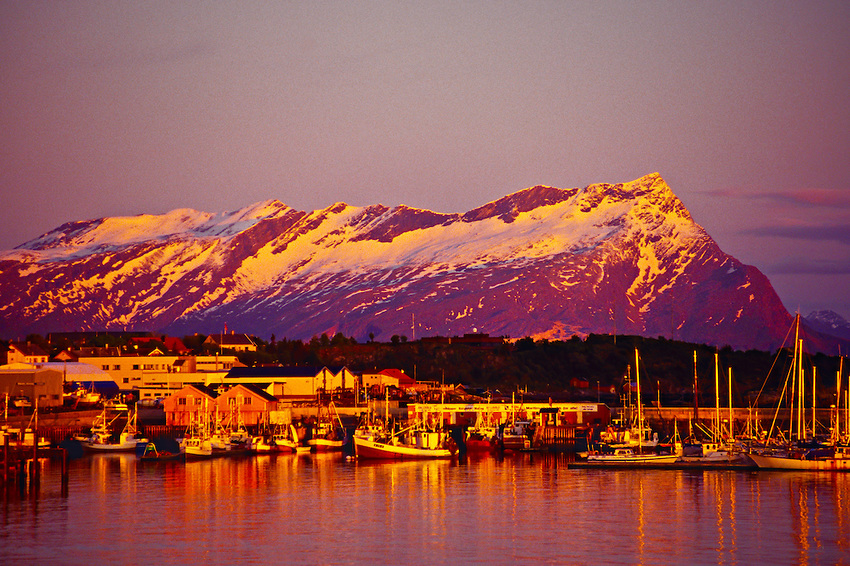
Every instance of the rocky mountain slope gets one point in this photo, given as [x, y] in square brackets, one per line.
[542, 262]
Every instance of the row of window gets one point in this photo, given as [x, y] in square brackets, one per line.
[231, 402]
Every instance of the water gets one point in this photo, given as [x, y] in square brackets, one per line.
[321, 509]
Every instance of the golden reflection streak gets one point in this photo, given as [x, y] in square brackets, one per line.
[717, 492]
[641, 520]
[802, 516]
[733, 498]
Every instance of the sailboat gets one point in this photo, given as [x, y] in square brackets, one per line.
[803, 455]
[627, 455]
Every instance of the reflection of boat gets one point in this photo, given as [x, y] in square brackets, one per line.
[412, 442]
[102, 438]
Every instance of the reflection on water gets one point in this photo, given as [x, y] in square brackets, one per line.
[324, 509]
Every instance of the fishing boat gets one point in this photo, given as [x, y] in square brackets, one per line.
[102, 438]
[514, 436]
[152, 454]
[197, 447]
[329, 433]
[483, 436]
[283, 439]
[410, 443]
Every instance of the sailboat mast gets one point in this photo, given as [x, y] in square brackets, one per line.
[794, 370]
[731, 426]
[814, 400]
[800, 433]
[640, 417]
[696, 390]
[716, 435]
[838, 400]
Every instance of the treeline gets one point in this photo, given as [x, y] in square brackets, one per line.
[600, 365]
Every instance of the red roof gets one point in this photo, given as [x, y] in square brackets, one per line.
[404, 380]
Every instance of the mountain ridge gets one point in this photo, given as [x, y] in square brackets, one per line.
[541, 262]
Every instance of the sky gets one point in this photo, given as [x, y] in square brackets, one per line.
[119, 108]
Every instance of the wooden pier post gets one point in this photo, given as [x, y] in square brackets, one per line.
[5, 459]
[64, 471]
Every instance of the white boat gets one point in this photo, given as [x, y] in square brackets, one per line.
[514, 436]
[284, 439]
[629, 456]
[836, 459]
[102, 438]
[329, 433]
[197, 447]
[411, 443]
[796, 455]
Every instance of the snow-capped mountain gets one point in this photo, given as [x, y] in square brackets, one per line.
[829, 322]
[542, 262]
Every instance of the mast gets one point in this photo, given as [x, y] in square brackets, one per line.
[716, 433]
[800, 432]
[838, 400]
[731, 425]
[794, 370]
[696, 390]
[814, 400]
[640, 417]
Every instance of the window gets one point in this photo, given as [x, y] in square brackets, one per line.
[181, 401]
[198, 401]
[135, 366]
[105, 367]
[116, 367]
[247, 401]
[231, 402]
[126, 380]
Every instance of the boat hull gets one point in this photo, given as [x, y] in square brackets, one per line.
[632, 459]
[118, 447]
[785, 463]
[366, 448]
[325, 445]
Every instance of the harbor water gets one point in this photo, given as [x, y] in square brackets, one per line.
[324, 509]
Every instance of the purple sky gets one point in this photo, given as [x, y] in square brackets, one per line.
[118, 108]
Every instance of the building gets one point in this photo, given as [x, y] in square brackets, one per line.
[156, 375]
[543, 414]
[188, 405]
[246, 405]
[26, 353]
[295, 382]
[240, 405]
[32, 383]
[377, 382]
[232, 341]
